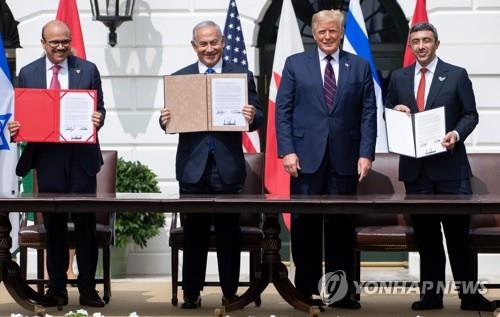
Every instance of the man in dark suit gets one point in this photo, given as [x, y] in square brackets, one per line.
[326, 130]
[212, 163]
[65, 168]
[428, 84]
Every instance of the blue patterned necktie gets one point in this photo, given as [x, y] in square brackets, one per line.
[329, 85]
[210, 70]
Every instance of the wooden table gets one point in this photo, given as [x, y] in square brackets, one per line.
[272, 270]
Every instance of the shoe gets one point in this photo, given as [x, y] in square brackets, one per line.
[229, 300]
[477, 302]
[346, 303]
[60, 295]
[91, 298]
[191, 302]
[428, 302]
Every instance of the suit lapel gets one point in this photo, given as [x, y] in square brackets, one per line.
[227, 68]
[342, 77]
[41, 68]
[312, 61]
[438, 81]
[193, 69]
[409, 82]
[74, 73]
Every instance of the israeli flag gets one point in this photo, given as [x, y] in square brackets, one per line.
[356, 42]
[8, 151]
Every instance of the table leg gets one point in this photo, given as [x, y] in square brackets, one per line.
[11, 274]
[272, 270]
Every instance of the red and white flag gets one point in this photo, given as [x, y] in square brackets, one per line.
[68, 13]
[419, 15]
[288, 42]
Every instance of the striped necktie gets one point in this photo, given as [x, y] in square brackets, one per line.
[329, 85]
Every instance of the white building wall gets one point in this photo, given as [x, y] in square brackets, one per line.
[156, 43]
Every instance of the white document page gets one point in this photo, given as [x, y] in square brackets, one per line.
[400, 137]
[430, 129]
[228, 99]
[76, 116]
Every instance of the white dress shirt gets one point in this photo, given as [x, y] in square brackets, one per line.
[217, 67]
[334, 62]
[429, 75]
[62, 76]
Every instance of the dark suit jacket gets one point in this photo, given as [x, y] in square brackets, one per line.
[81, 75]
[451, 88]
[303, 124]
[192, 150]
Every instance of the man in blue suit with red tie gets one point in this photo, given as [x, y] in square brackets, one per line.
[326, 128]
[65, 168]
[212, 163]
[428, 84]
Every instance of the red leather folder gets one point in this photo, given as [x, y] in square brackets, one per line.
[39, 114]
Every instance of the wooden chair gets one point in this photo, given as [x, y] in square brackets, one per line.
[385, 232]
[250, 228]
[485, 229]
[33, 236]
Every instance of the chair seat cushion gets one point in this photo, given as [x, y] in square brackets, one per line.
[385, 237]
[486, 238]
[251, 238]
[34, 235]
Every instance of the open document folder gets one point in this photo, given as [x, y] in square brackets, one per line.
[57, 116]
[417, 135]
[206, 102]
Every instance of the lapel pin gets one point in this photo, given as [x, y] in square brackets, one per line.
[442, 78]
[77, 71]
[346, 65]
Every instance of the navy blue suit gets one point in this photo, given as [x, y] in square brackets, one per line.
[212, 163]
[328, 145]
[444, 173]
[66, 168]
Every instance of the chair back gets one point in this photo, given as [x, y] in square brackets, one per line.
[106, 184]
[382, 179]
[254, 165]
[485, 180]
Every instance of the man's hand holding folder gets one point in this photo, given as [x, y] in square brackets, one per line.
[58, 116]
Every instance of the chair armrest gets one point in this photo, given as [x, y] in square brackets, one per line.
[24, 220]
[112, 221]
[173, 224]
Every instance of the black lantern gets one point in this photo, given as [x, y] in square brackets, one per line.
[112, 13]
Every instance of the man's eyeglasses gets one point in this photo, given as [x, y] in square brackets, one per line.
[55, 44]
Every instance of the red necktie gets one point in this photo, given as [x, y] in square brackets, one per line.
[54, 82]
[329, 85]
[421, 90]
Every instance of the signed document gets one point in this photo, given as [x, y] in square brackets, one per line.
[76, 116]
[418, 135]
[228, 99]
[206, 102]
[55, 116]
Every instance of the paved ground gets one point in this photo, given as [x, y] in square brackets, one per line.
[151, 297]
